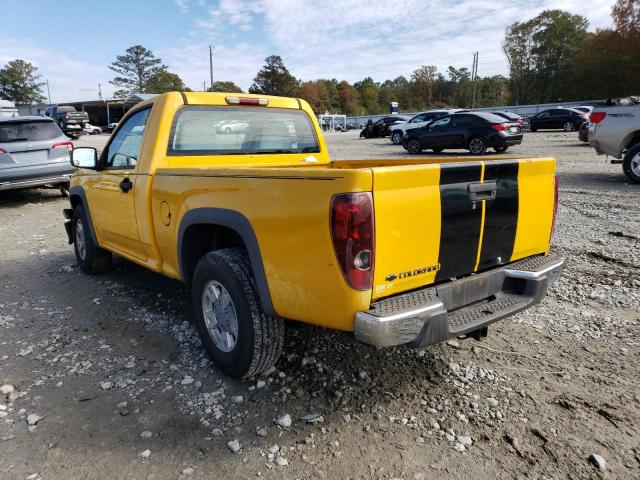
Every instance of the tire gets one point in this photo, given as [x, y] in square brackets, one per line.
[226, 276]
[500, 149]
[477, 146]
[414, 147]
[396, 137]
[437, 150]
[631, 164]
[569, 127]
[91, 258]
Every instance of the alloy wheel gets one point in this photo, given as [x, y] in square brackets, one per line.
[220, 316]
[81, 244]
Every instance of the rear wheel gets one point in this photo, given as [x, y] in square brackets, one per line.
[631, 164]
[91, 258]
[569, 127]
[477, 146]
[414, 147]
[500, 149]
[239, 336]
[396, 138]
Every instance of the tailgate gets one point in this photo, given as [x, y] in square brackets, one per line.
[439, 221]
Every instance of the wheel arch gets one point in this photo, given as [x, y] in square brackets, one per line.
[631, 140]
[202, 230]
[78, 197]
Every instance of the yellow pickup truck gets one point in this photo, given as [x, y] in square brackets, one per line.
[236, 196]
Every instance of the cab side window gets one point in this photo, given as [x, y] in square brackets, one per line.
[124, 149]
[442, 122]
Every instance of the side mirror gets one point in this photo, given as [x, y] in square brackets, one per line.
[84, 157]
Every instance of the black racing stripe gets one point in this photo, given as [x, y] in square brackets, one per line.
[501, 215]
[460, 221]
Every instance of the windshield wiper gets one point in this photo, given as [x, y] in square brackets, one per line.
[20, 139]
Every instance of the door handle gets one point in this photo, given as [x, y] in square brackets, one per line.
[126, 185]
[482, 191]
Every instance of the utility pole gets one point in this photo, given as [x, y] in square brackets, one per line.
[474, 78]
[100, 91]
[211, 66]
[48, 92]
[204, 86]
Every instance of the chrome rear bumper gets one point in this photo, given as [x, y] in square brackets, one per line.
[437, 313]
[34, 182]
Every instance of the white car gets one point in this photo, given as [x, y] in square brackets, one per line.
[397, 130]
[232, 126]
[92, 129]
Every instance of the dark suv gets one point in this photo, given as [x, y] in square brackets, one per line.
[566, 119]
[380, 128]
[475, 131]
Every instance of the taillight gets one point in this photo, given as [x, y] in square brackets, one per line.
[555, 204]
[597, 117]
[2, 150]
[263, 102]
[353, 237]
[67, 145]
[501, 127]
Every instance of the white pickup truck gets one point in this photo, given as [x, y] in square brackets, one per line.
[615, 131]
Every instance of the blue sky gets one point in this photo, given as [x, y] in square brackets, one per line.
[73, 42]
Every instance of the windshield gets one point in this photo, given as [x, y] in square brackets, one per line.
[28, 131]
[203, 130]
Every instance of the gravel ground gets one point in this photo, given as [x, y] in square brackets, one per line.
[104, 377]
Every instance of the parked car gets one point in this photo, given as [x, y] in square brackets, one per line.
[380, 128]
[396, 131]
[583, 132]
[70, 121]
[92, 129]
[232, 127]
[181, 211]
[33, 152]
[615, 131]
[566, 119]
[475, 131]
[513, 117]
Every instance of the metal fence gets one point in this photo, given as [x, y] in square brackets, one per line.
[523, 110]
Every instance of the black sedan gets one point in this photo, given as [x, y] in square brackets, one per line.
[380, 128]
[566, 119]
[475, 131]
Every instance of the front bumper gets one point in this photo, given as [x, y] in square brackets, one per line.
[438, 313]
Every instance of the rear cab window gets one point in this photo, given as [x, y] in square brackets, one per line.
[29, 131]
[218, 130]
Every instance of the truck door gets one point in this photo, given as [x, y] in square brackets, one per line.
[112, 194]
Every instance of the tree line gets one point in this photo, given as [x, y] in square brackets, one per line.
[551, 57]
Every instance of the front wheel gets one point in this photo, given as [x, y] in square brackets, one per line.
[241, 338]
[396, 138]
[569, 127]
[91, 258]
[631, 164]
[477, 146]
[500, 149]
[414, 147]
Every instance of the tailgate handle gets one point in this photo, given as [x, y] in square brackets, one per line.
[482, 191]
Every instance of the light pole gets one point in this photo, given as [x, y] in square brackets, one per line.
[211, 66]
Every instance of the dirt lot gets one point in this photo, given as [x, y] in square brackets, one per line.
[110, 381]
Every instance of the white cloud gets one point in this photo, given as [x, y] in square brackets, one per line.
[69, 77]
[360, 38]
[182, 5]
